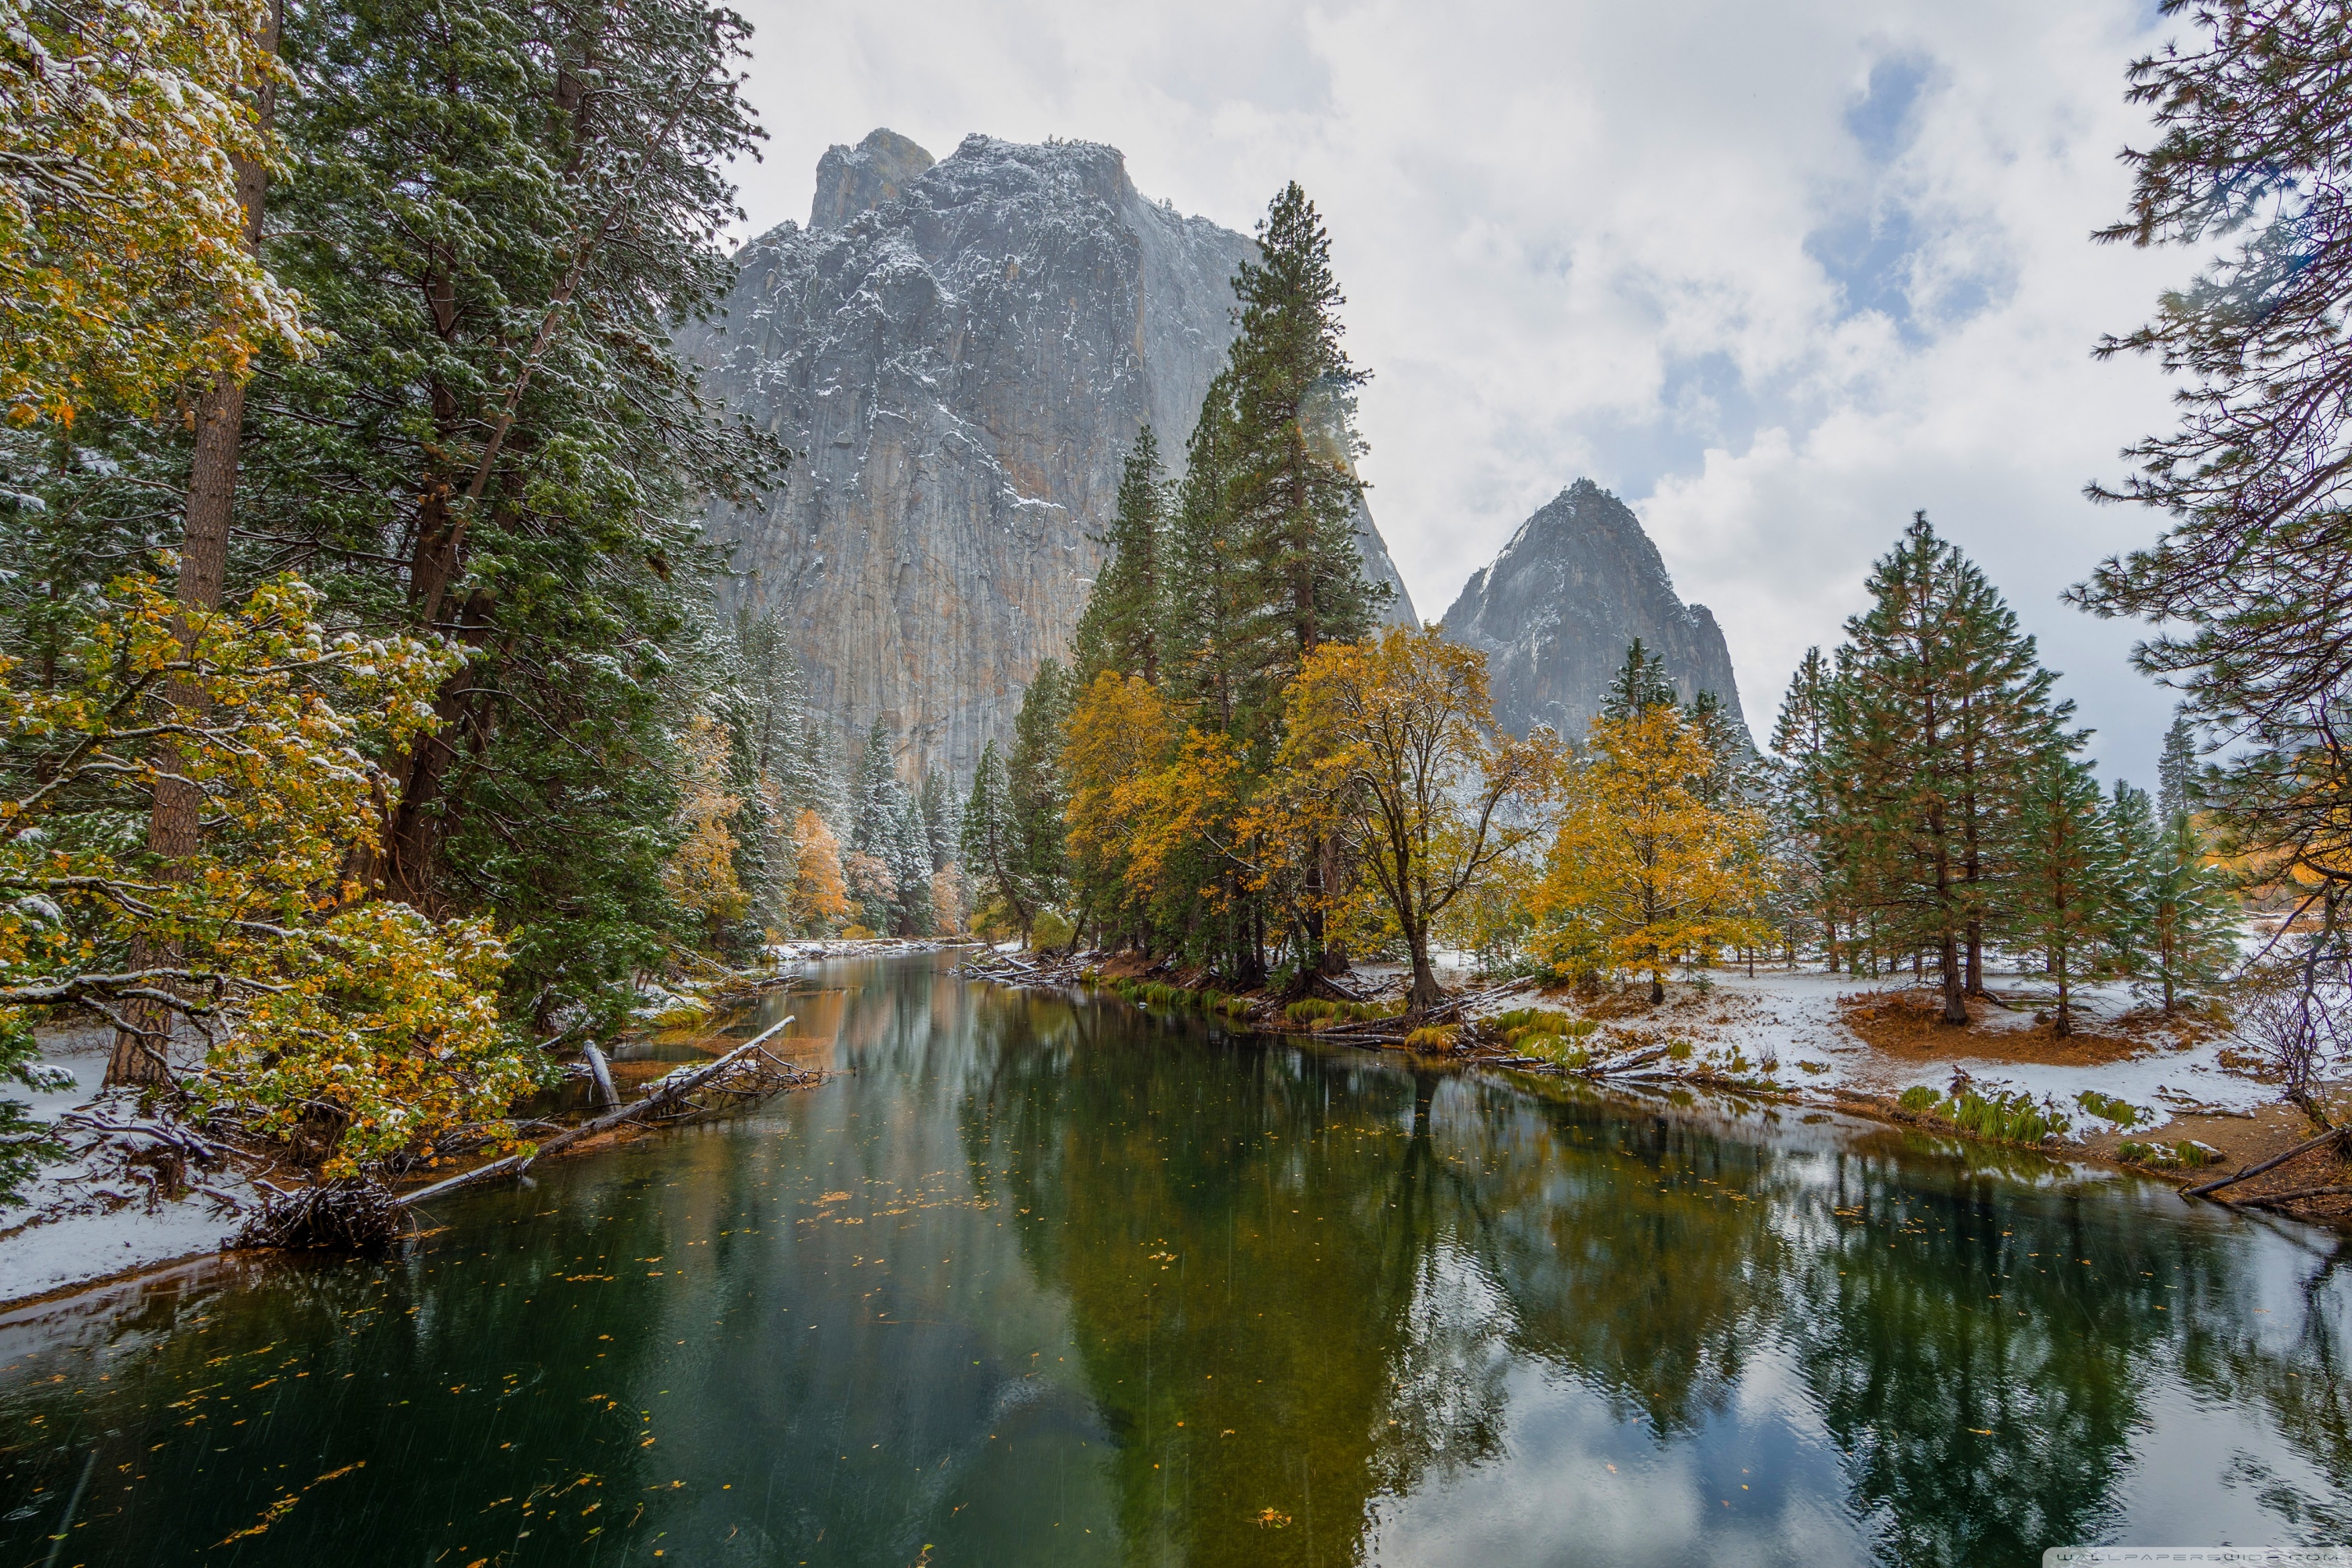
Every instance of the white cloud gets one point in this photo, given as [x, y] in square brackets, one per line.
[1778, 274]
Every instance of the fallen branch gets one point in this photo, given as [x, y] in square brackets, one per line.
[2275, 1161]
[669, 1098]
[2273, 1200]
[1626, 1063]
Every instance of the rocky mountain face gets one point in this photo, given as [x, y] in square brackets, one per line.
[963, 351]
[1555, 612]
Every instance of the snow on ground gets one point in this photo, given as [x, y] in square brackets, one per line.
[1787, 1026]
[96, 1213]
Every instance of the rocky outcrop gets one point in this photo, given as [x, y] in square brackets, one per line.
[1555, 612]
[963, 351]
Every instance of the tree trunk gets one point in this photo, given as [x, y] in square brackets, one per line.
[1955, 1005]
[141, 1052]
[1425, 992]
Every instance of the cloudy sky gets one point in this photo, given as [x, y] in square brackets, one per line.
[1778, 274]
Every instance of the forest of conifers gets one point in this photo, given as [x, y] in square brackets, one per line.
[372, 730]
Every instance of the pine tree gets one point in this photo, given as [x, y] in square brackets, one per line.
[1639, 685]
[1938, 704]
[1120, 628]
[2191, 914]
[990, 847]
[2068, 877]
[910, 865]
[1800, 799]
[2246, 583]
[876, 797]
[2132, 840]
[1290, 506]
[1202, 624]
[1032, 776]
[939, 819]
[2176, 771]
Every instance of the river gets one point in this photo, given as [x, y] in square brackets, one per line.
[1042, 1279]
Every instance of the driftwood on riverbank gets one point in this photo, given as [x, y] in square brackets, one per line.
[361, 1214]
[746, 1074]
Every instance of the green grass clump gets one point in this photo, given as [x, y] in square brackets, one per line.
[1311, 1010]
[2185, 1155]
[1814, 1067]
[1440, 1038]
[1678, 1050]
[1918, 1098]
[2112, 1110]
[2009, 1118]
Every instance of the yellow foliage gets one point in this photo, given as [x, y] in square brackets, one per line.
[317, 1005]
[123, 266]
[1644, 871]
[1116, 736]
[700, 874]
[817, 897]
[1391, 753]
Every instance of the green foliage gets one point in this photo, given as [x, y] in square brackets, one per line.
[1120, 629]
[1919, 1099]
[2015, 1118]
[1049, 932]
[1439, 1038]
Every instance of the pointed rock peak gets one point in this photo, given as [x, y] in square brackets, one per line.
[854, 180]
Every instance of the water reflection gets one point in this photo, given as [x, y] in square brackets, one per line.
[1039, 1280]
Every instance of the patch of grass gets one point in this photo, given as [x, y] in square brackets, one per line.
[1918, 1098]
[2185, 1155]
[1814, 1067]
[2112, 1110]
[2005, 1118]
[1556, 1050]
[1440, 1038]
[1678, 1050]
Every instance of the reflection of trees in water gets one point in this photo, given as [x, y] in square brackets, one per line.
[1638, 1253]
[1984, 1384]
[1254, 1253]
[2296, 1380]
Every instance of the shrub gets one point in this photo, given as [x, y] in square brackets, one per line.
[855, 932]
[1049, 930]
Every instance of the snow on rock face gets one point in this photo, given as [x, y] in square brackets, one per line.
[962, 352]
[1555, 612]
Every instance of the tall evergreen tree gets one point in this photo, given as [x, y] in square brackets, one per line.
[2188, 913]
[1032, 776]
[2068, 880]
[1940, 705]
[876, 795]
[2246, 582]
[2176, 771]
[991, 843]
[940, 824]
[910, 865]
[1291, 492]
[1120, 628]
[1801, 739]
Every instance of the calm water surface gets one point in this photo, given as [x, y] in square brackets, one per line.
[1037, 1280]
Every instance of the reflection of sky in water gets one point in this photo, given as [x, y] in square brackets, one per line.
[1032, 1282]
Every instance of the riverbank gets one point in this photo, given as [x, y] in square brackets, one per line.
[2178, 1097]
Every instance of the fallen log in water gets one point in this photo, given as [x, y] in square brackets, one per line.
[746, 1073]
[1626, 1063]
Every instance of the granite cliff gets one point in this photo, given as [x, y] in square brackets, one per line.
[962, 351]
[1554, 614]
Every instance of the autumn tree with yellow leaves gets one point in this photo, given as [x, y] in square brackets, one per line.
[357, 1030]
[818, 901]
[1391, 753]
[1645, 871]
[125, 272]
